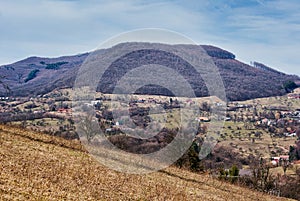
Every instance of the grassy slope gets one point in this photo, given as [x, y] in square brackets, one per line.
[40, 167]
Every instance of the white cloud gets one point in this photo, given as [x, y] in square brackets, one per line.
[60, 27]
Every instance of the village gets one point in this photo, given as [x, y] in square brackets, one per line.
[264, 127]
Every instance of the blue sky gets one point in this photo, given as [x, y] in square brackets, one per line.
[266, 31]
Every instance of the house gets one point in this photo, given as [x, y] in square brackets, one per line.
[266, 122]
[219, 104]
[290, 134]
[294, 96]
[141, 100]
[227, 119]
[285, 157]
[203, 119]
[276, 160]
[4, 98]
[95, 102]
[63, 110]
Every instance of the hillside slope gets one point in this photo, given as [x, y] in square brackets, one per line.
[36, 75]
[41, 167]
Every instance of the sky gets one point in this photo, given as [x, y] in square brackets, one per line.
[266, 31]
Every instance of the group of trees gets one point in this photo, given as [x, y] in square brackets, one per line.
[9, 117]
[32, 75]
[217, 52]
[190, 160]
[289, 86]
[264, 67]
[143, 146]
[55, 66]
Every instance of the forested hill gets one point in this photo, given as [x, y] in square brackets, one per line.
[35, 75]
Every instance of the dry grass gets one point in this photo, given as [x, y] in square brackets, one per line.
[40, 167]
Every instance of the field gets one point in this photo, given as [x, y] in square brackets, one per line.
[239, 140]
[35, 166]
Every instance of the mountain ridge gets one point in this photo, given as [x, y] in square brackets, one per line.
[242, 81]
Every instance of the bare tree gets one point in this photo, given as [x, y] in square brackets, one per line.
[87, 125]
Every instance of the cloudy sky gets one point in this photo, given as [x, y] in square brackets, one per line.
[266, 31]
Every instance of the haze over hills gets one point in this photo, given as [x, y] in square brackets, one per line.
[35, 75]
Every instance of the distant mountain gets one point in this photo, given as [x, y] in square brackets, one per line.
[35, 75]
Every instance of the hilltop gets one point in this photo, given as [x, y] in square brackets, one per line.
[42, 167]
[35, 75]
